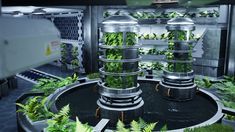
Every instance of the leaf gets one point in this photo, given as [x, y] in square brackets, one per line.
[121, 127]
[82, 127]
[142, 123]
[164, 128]
[149, 127]
[135, 127]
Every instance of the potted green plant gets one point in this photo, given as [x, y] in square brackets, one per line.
[60, 122]
[35, 112]
[48, 86]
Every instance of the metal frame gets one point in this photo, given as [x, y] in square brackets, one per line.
[92, 18]
[231, 39]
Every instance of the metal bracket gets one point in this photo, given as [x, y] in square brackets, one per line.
[101, 126]
[228, 111]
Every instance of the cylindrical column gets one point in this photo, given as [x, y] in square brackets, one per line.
[178, 77]
[119, 91]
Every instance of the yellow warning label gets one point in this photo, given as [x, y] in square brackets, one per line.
[48, 50]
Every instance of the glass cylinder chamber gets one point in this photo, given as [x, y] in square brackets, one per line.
[119, 91]
[178, 77]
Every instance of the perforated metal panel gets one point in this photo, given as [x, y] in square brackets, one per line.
[71, 29]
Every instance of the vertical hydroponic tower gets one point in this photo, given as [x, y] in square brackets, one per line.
[119, 91]
[178, 77]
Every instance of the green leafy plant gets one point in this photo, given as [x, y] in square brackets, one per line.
[157, 66]
[116, 39]
[229, 104]
[75, 61]
[35, 109]
[211, 128]
[48, 86]
[203, 83]
[113, 39]
[178, 66]
[130, 38]
[209, 13]
[63, 54]
[93, 75]
[226, 89]
[82, 127]
[152, 36]
[140, 126]
[119, 82]
[60, 122]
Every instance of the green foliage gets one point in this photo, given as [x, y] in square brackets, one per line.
[35, 108]
[116, 39]
[113, 39]
[226, 89]
[63, 53]
[48, 86]
[157, 66]
[229, 104]
[119, 82]
[141, 74]
[121, 127]
[75, 61]
[140, 126]
[164, 128]
[161, 14]
[82, 127]
[151, 65]
[152, 36]
[211, 128]
[152, 51]
[93, 75]
[113, 66]
[130, 38]
[177, 66]
[213, 13]
[203, 83]
[60, 122]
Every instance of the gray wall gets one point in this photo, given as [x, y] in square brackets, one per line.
[212, 61]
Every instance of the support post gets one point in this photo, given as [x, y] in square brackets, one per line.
[231, 41]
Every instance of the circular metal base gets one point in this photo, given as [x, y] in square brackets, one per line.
[125, 115]
[177, 93]
[176, 115]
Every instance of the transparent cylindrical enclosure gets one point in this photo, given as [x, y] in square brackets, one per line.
[180, 45]
[120, 60]
[119, 89]
[178, 76]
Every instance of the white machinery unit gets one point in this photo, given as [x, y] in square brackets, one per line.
[26, 43]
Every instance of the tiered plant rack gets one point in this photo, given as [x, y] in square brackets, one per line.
[120, 95]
